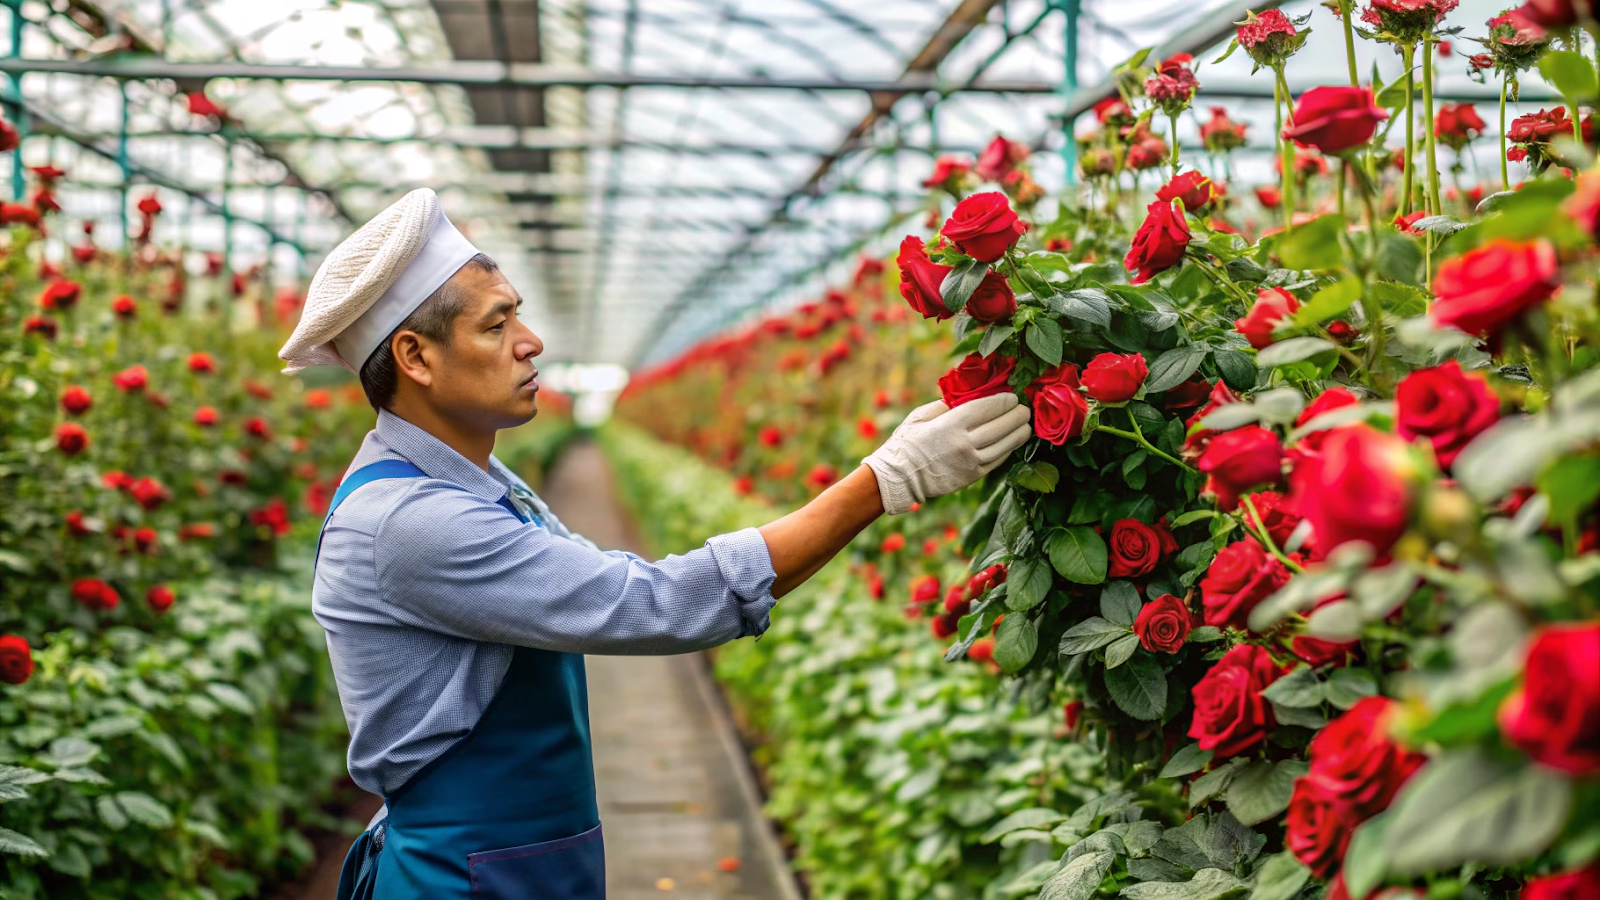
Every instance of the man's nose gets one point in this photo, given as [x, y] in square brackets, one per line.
[528, 344]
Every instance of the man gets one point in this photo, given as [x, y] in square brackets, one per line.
[458, 608]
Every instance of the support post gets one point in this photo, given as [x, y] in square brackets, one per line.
[1071, 10]
[14, 50]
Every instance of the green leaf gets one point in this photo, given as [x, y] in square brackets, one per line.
[1079, 554]
[1121, 650]
[1314, 245]
[1467, 806]
[1027, 583]
[1329, 302]
[1572, 484]
[1080, 878]
[1298, 689]
[1230, 416]
[1088, 305]
[1207, 884]
[993, 337]
[1090, 634]
[1193, 515]
[1570, 73]
[69, 753]
[15, 780]
[18, 844]
[1188, 760]
[231, 697]
[1016, 642]
[1036, 817]
[71, 860]
[1213, 783]
[1347, 686]
[917, 786]
[1040, 477]
[958, 285]
[1280, 877]
[1173, 368]
[1205, 634]
[1139, 688]
[1044, 339]
[144, 809]
[1400, 259]
[1119, 602]
[1260, 790]
[1293, 350]
[1238, 370]
[1366, 857]
[110, 813]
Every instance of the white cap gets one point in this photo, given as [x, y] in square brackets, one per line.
[373, 280]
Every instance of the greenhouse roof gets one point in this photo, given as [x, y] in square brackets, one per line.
[645, 171]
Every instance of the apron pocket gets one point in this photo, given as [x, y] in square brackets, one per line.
[570, 868]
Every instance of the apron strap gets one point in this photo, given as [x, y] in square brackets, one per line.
[385, 469]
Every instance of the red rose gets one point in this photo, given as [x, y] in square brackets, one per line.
[1317, 652]
[1071, 713]
[1548, 13]
[60, 295]
[1487, 288]
[925, 589]
[984, 227]
[1195, 190]
[993, 301]
[822, 475]
[1319, 824]
[75, 400]
[149, 493]
[1457, 124]
[1135, 548]
[124, 307]
[948, 172]
[1059, 411]
[10, 138]
[920, 278]
[1357, 489]
[1147, 153]
[1199, 440]
[131, 379]
[44, 327]
[1159, 243]
[92, 593]
[1163, 624]
[200, 362]
[1355, 755]
[76, 526]
[867, 428]
[1112, 111]
[160, 598]
[1000, 158]
[1114, 377]
[144, 539]
[1242, 575]
[982, 650]
[976, 377]
[196, 531]
[16, 659]
[1310, 444]
[1188, 395]
[116, 481]
[1237, 460]
[205, 416]
[770, 436]
[1578, 884]
[257, 390]
[1230, 715]
[893, 543]
[1555, 716]
[1447, 406]
[1274, 515]
[1335, 119]
[71, 439]
[1272, 307]
[945, 625]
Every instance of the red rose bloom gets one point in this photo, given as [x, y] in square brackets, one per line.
[75, 400]
[1334, 119]
[1487, 288]
[945, 625]
[1135, 548]
[1555, 716]
[92, 593]
[149, 493]
[1163, 624]
[18, 214]
[1320, 822]
[1000, 158]
[1317, 652]
[1199, 440]
[1114, 377]
[201, 363]
[822, 475]
[10, 138]
[76, 526]
[1268, 196]
[1275, 515]
[1578, 884]
[1447, 406]
[60, 295]
[160, 598]
[893, 543]
[1457, 124]
[116, 481]
[71, 439]
[948, 172]
[1237, 460]
[920, 278]
[45, 328]
[16, 659]
[1357, 489]
[1059, 411]
[1195, 190]
[257, 427]
[132, 379]
[1327, 401]
[205, 416]
[1230, 715]
[1242, 575]
[1220, 134]
[993, 301]
[1188, 395]
[1159, 243]
[976, 377]
[984, 227]
[925, 589]
[124, 307]
[1272, 306]
[982, 650]
[770, 436]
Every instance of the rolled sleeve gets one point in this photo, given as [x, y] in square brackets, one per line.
[453, 562]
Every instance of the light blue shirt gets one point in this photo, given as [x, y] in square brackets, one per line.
[425, 589]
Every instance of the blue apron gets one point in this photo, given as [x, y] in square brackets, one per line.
[509, 810]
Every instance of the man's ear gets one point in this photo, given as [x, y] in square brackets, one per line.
[413, 356]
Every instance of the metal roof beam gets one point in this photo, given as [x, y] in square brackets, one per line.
[488, 73]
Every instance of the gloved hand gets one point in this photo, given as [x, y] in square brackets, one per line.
[937, 450]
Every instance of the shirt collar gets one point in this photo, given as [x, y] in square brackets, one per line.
[435, 458]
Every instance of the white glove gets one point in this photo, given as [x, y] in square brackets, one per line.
[937, 450]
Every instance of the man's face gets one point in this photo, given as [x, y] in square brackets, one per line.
[486, 376]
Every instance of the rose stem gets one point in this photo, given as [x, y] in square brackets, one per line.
[1429, 146]
[1173, 118]
[1280, 93]
[1346, 8]
[1408, 56]
[1505, 176]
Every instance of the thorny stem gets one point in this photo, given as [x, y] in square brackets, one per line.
[1144, 442]
[1254, 522]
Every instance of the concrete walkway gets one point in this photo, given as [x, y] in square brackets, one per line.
[676, 795]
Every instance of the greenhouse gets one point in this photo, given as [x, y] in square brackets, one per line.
[779, 449]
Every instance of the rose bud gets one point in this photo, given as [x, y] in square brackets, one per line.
[1272, 307]
[1159, 243]
[1334, 119]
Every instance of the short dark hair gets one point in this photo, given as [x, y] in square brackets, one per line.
[434, 319]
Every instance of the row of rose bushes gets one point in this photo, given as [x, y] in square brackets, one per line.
[170, 725]
[1307, 536]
